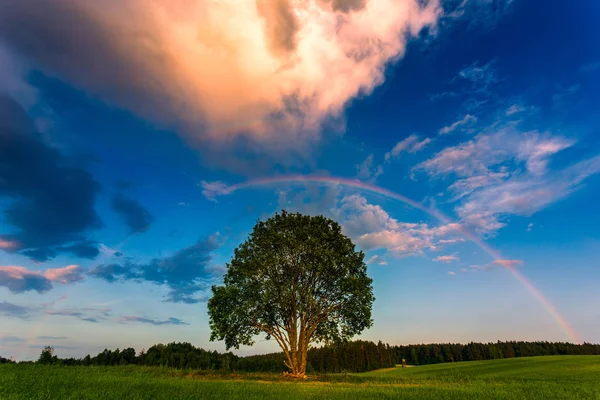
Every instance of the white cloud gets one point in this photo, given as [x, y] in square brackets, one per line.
[514, 109]
[211, 190]
[451, 273]
[373, 228]
[467, 120]
[367, 171]
[446, 259]
[377, 260]
[530, 227]
[504, 172]
[411, 144]
[464, 187]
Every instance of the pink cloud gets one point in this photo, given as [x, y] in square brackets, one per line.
[467, 120]
[68, 274]
[226, 67]
[8, 245]
[508, 263]
[446, 259]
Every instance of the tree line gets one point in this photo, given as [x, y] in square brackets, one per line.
[354, 356]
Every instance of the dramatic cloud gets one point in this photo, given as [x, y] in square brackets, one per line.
[278, 68]
[169, 321]
[411, 144]
[12, 310]
[186, 273]
[137, 218]
[446, 259]
[20, 279]
[467, 120]
[53, 203]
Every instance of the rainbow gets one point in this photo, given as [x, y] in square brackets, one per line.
[367, 187]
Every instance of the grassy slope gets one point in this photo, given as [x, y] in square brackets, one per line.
[566, 377]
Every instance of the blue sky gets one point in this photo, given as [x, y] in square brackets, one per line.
[122, 137]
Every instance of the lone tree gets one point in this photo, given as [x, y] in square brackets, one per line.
[296, 279]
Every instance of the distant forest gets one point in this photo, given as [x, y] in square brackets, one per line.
[356, 356]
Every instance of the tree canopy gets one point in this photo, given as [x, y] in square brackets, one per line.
[296, 279]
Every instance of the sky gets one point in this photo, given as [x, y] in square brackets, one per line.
[456, 142]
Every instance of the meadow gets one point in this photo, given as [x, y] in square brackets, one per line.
[547, 377]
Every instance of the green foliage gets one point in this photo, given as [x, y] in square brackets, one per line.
[296, 279]
[559, 377]
[47, 356]
[6, 360]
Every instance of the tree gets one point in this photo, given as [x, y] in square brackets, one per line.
[296, 279]
[47, 356]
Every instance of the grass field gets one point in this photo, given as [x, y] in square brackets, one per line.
[555, 377]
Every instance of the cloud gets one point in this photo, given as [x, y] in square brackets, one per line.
[411, 144]
[467, 120]
[278, 67]
[590, 67]
[69, 274]
[169, 321]
[508, 263]
[20, 279]
[186, 272]
[451, 273]
[464, 187]
[482, 77]
[7, 339]
[473, 84]
[367, 171]
[87, 314]
[53, 202]
[377, 260]
[211, 190]
[446, 259]
[530, 227]
[52, 337]
[84, 249]
[372, 228]
[477, 156]
[137, 218]
[504, 172]
[524, 195]
[451, 241]
[515, 109]
[13, 310]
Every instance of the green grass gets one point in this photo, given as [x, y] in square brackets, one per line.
[561, 377]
